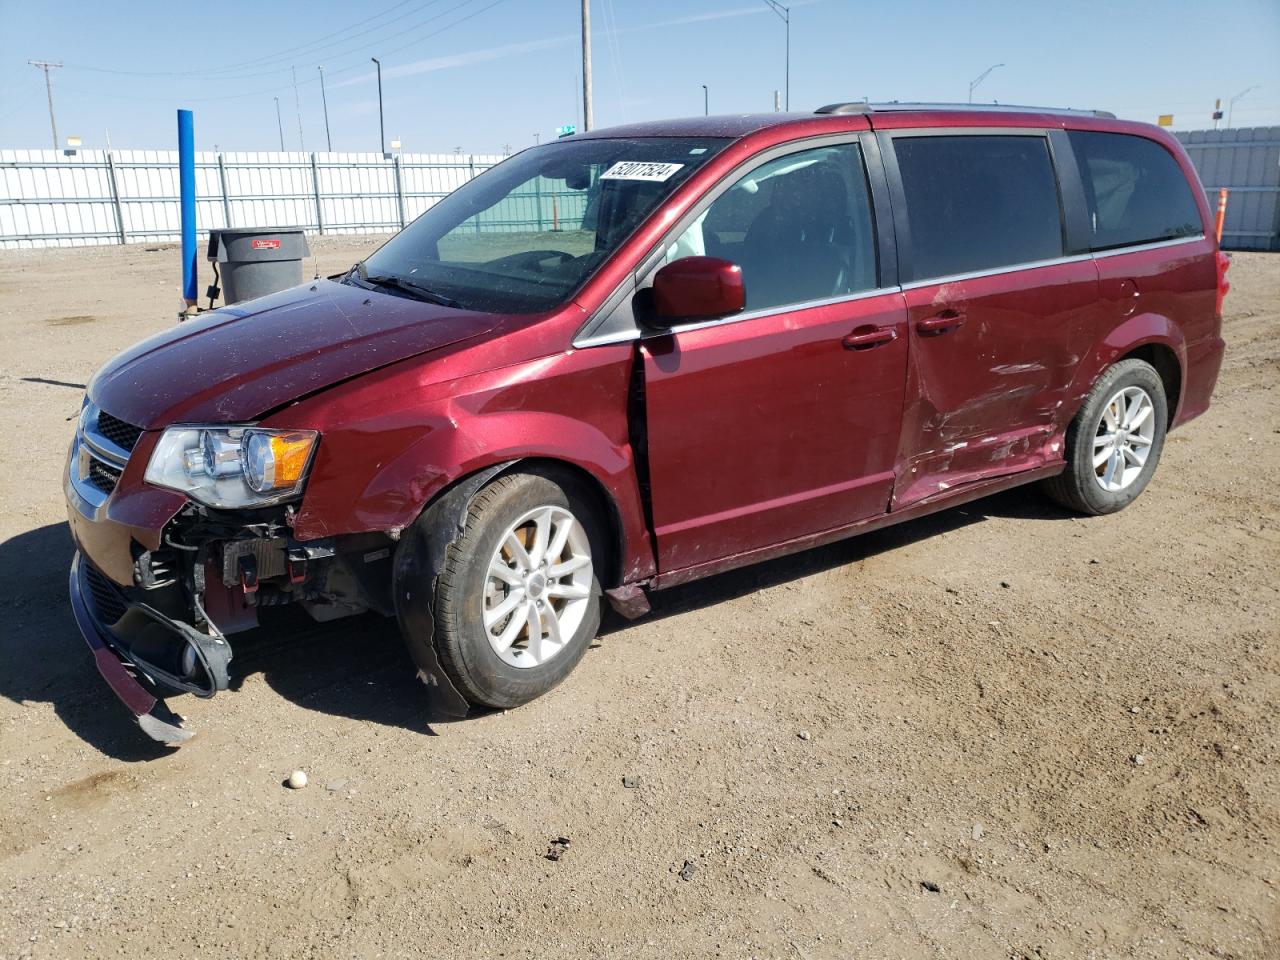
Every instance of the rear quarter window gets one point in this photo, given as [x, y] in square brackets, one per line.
[1135, 190]
[978, 202]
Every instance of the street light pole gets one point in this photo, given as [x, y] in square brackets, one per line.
[705, 108]
[784, 14]
[980, 77]
[297, 105]
[46, 66]
[382, 132]
[324, 100]
[279, 123]
[586, 65]
[1231, 104]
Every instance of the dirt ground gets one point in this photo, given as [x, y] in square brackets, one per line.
[998, 732]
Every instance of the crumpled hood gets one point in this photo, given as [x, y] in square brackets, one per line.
[241, 361]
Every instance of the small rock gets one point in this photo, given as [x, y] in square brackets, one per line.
[297, 780]
[837, 822]
[686, 872]
[1139, 759]
[977, 831]
[1005, 584]
[559, 847]
[804, 735]
[1094, 560]
[631, 782]
[1134, 710]
[333, 786]
[930, 886]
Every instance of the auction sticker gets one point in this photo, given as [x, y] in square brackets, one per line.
[641, 170]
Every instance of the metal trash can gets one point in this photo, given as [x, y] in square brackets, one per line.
[254, 263]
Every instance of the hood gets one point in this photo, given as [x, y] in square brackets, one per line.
[241, 361]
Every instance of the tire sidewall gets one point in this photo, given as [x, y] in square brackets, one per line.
[487, 678]
[1129, 373]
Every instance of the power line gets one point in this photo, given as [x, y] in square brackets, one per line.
[358, 49]
[286, 87]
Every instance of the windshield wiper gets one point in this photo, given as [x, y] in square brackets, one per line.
[408, 286]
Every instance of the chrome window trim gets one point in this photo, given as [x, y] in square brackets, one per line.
[1153, 245]
[627, 336]
[996, 271]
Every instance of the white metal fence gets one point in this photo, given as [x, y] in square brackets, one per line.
[51, 198]
[1245, 160]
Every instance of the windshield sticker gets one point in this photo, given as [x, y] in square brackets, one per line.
[641, 170]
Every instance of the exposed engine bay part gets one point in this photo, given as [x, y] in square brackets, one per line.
[419, 557]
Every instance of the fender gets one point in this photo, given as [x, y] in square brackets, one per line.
[1140, 330]
[384, 457]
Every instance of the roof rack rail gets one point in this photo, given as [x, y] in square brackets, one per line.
[861, 106]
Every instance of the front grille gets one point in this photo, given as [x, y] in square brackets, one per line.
[108, 602]
[123, 435]
[102, 475]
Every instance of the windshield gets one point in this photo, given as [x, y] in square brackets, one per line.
[526, 234]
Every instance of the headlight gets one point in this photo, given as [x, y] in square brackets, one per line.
[233, 466]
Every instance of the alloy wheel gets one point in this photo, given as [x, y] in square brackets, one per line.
[538, 587]
[1123, 439]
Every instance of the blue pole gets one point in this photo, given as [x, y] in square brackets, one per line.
[187, 193]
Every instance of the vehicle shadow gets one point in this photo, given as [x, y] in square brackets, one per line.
[356, 668]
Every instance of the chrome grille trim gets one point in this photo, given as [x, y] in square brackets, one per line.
[98, 457]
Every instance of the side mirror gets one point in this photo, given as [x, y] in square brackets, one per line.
[698, 288]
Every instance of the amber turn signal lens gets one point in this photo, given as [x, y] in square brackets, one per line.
[276, 461]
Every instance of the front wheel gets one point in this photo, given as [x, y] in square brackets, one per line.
[518, 601]
[1114, 443]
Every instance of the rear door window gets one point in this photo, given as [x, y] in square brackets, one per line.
[1135, 190]
[978, 202]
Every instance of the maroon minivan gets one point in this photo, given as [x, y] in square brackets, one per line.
[635, 357]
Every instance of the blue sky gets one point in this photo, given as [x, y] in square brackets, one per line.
[486, 74]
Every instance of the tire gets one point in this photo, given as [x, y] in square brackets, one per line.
[466, 591]
[1120, 479]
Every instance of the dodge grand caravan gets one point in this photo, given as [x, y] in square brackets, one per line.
[632, 358]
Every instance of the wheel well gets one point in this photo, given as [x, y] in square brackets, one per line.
[602, 504]
[1165, 362]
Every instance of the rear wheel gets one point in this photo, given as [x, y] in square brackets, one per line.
[1115, 441]
[518, 600]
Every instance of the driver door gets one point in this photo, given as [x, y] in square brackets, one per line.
[782, 421]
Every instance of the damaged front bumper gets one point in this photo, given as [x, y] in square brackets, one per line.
[122, 635]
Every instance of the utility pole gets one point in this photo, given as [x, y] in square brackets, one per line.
[327, 139]
[586, 65]
[1231, 104]
[784, 14]
[279, 123]
[382, 132]
[297, 105]
[705, 108]
[46, 66]
[980, 77]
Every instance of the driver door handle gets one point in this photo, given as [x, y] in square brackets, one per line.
[864, 338]
[939, 323]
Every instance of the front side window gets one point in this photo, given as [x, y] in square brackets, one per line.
[525, 235]
[978, 202]
[799, 227]
[1135, 190]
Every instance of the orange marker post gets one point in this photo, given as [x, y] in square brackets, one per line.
[1222, 213]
